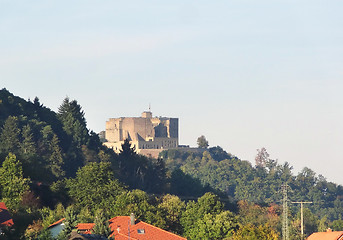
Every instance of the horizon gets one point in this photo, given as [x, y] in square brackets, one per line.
[246, 75]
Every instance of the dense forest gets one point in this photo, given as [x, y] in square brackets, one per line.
[53, 166]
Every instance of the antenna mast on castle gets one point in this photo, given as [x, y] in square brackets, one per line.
[149, 107]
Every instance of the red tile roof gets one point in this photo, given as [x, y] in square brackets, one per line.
[86, 228]
[56, 223]
[338, 235]
[121, 227]
[5, 217]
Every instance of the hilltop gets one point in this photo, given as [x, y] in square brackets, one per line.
[59, 163]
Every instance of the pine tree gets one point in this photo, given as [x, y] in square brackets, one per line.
[126, 149]
[52, 153]
[9, 138]
[56, 159]
[101, 224]
[69, 224]
[27, 145]
[74, 122]
[28, 153]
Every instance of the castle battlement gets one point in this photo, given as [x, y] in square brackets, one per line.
[145, 132]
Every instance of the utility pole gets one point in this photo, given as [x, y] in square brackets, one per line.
[285, 230]
[302, 217]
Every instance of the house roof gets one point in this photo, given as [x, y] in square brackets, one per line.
[56, 223]
[5, 217]
[86, 228]
[335, 235]
[121, 227]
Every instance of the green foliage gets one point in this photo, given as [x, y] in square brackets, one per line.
[139, 203]
[219, 154]
[95, 186]
[101, 224]
[251, 232]
[9, 138]
[337, 225]
[184, 185]
[213, 226]
[74, 123]
[140, 172]
[49, 147]
[85, 215]
[45, 235]
[254, 214]
[195, 211]
[171, 208]
[69, 224]
[202, 142]
[13, 185]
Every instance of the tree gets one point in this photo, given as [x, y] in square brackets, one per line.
[261, 157]
[13, 185]
[139, 203]
[28, 153]
[126, 149]
[27, 145]
[172, 207]
[101, 226]
[207, 204]
[69, 224]
[251, 232]
[52, 155]
[85, 215]
[95, 186]
[56, 159]
[214, 226]
[202, 142]
[9, 138]
[74, 123]
[137, 171]
[45, 235]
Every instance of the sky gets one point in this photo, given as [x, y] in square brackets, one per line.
[246, 74]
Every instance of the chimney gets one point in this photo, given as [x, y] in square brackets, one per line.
[132, 217]
[329, 230]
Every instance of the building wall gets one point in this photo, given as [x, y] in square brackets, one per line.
[144, 132]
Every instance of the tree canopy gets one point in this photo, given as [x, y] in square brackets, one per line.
[51, 162]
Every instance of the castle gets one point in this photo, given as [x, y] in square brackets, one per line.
[150, 135]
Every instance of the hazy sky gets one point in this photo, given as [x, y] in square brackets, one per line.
[246, 74]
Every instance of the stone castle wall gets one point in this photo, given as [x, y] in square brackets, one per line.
[144, 132]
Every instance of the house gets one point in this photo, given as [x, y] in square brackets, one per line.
[122, 227]
[83, 228]
[127, 227]
[56, 227]
[5, 218]
[328, 235]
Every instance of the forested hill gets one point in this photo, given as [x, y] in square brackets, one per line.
[53, 146]
[53, 166]
[47, 143]
[260, 184]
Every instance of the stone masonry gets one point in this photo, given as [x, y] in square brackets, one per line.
[146, 133]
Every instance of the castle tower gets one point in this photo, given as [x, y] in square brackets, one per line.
[145, 133]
